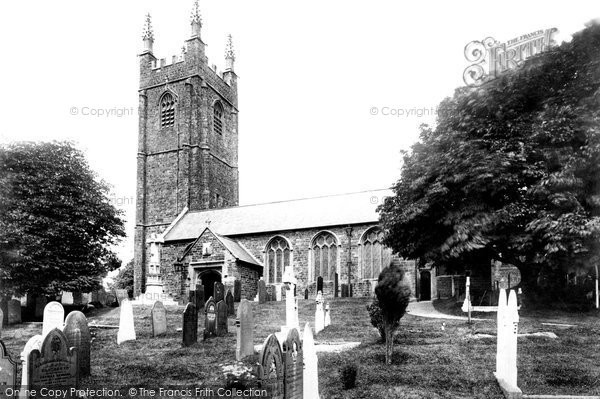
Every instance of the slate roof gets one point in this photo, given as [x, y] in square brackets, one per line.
[333, 210]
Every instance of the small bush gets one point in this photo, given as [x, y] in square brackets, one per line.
[348, 376]
[377, 318]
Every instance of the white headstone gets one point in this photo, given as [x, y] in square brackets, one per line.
[126, 325]
[54, 317]
[34, 342]
[290, 308]
[319, 314]
[327, 316]
[66, 298]
[500, 330]
[311, 365]
[512, 329]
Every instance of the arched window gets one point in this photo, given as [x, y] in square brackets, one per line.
[277, 259]
[167, 110]
[218, 117]
[374, 256]
[324, 256]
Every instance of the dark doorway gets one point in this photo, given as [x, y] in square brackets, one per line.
[208, 280]
[425, 287]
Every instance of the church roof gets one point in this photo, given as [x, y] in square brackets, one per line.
[333, 210]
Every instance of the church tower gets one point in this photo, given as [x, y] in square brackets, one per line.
[188, 141]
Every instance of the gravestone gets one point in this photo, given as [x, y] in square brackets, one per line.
[306, 293]
[336, 284]
[121, 295]
[245, 330]
[55, 365]
[262, 292]
[350, 291]
[327, 316]
[237, 290]
[159, 319]
[190, 325]
[199, 297]
[311, 368]
[40, 305]
[54, 317]
[192, 297]
[319, 314]
[221, 318]
[1, 321]
[77, 298]
[78, 335]
[67, 298]
[8, 370]
[344, 291]
[270, 368]
[293, 365]
[319, 284]
[210, 318]
[34, 342]
[4, 309]
[219, 292]
[14, 311]
[126, 324]
[229, 303]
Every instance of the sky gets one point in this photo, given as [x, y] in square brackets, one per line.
[330, 92]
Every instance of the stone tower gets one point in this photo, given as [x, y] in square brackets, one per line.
[188, 142]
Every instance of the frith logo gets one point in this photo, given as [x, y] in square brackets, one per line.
[490, 58]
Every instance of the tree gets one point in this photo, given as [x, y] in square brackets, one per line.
[56, 222]
[511, 171]
[124, 280]
[393, 295]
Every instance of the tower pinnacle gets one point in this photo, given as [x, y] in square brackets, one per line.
[229, 54]
[148, 34]
[196, 20]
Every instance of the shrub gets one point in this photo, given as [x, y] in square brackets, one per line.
[348, 376]
[377, 318]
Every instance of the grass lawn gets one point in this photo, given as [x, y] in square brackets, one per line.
[456, 362]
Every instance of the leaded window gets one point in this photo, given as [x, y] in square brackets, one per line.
[324, 256]
[374, 256]
[278, 258]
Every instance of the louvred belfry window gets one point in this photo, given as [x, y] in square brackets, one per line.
[167, 110]
[218, 118]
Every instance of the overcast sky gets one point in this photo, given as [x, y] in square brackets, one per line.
[312, 74]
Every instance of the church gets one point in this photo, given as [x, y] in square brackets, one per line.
[190, 230]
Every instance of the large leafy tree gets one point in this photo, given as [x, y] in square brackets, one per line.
[57, 224]
[511, 171]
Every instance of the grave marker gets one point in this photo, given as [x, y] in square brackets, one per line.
[344, 291]
[319, 284]
[262, 291]
[159, 319]
[40, 305]
[8, 370]
[199, 297]
[34, 342]
[14, 311]
[55, 365]
[311, 368]
[219, 292]
[4, 309]
[327, 316]
[319, 314]
[270, 368]
[230, 305]
[190, 325]
[1, 321]
[293, 365]
[306, 293]
[245, 330]
[192, 297]
[336, 284]
[506, 351]
[210, 318]
[126, 324]
[54, 317]
[221, 318]
[237, 290]
[78, 335]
